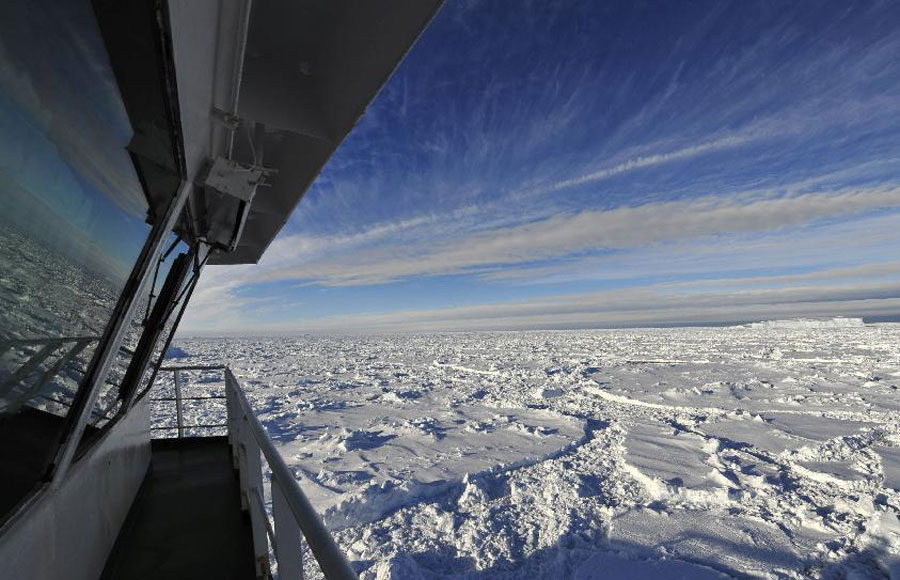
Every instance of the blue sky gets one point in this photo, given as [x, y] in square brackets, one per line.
[591, 164]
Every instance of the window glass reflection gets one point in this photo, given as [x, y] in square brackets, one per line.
[72, 225]
[109, 400]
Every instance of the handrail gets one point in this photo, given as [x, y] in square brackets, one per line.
[327, 553]
[32, 341]
[179, 418]
[293, 516]
[33, 363]
[193, 368]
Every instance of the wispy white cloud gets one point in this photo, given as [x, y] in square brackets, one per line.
[649, 161]
[848, 274]
[775, 152]
[649, 305]
[804, 247]
[683, 229]
[587, 231]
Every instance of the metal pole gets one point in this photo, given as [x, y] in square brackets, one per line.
[114, 334]
[239, 67]
[187, 298]
[258, 519]
[178, 403]
[153, 326]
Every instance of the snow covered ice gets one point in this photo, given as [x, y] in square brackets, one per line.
[748, 452]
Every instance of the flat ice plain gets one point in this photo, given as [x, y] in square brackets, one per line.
[699, 453]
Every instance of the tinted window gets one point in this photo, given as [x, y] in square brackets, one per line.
[72, 225]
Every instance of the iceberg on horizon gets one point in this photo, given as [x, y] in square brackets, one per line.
[816, 322]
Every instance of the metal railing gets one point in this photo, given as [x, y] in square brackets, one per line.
[59, 351]
[71, 347]
[293, 516]
[178, 399]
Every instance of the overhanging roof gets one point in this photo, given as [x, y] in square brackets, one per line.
[310, 70]
[198, 77]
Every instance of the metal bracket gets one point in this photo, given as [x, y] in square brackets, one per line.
[228, 120]
[234, 179]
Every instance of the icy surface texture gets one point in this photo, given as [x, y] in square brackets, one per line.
[679, 453]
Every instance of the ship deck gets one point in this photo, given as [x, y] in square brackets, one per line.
[186, 521]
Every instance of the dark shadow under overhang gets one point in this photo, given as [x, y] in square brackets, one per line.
[311, 69]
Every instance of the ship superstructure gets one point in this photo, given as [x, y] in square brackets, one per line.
[142, 141]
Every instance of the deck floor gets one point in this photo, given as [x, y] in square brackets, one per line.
[186, 521]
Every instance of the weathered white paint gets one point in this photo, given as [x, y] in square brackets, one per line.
[67, 532]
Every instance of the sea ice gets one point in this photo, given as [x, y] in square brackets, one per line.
[768, 452]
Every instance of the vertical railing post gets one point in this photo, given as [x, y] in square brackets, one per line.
[242, 471]
[295, 521]
[233, 419]
[288, 535]
[178, 403]
[253, 467]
